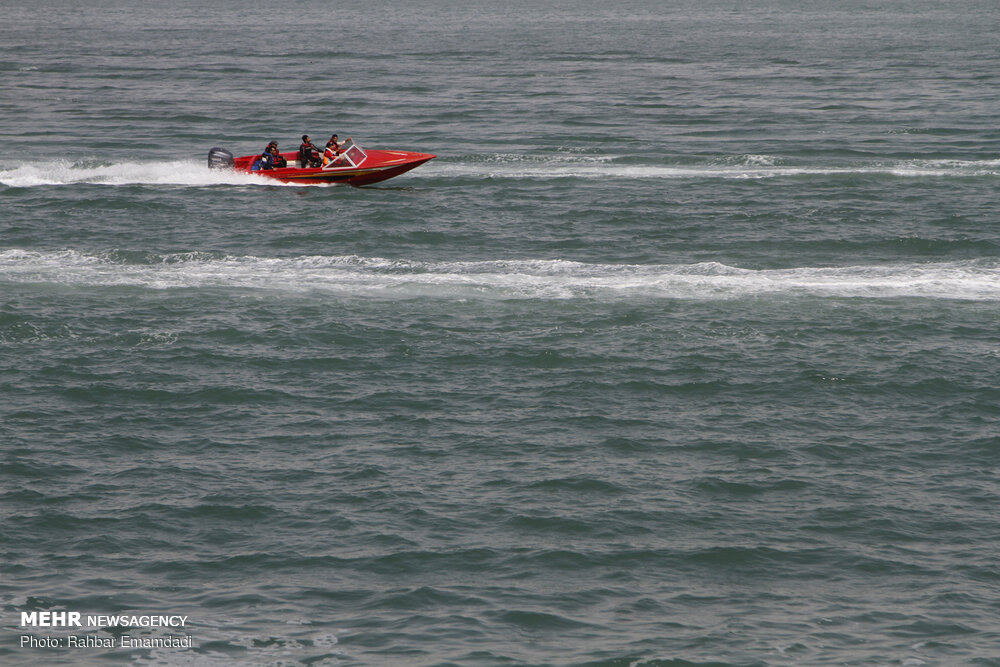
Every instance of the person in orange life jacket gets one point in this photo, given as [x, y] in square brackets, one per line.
[332, 151]
[308, 153]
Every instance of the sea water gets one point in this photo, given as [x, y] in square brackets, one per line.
[684, 350]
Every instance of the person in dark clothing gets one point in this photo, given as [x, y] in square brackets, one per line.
[308, 153]
[265, 162]
[277, 161]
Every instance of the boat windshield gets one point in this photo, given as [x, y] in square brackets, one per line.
[351, 155]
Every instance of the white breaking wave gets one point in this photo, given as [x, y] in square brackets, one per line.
[499, 279]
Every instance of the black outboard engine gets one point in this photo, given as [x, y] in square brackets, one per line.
[220, 158]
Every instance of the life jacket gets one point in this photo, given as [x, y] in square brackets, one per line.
[330, 154]
[305, 154]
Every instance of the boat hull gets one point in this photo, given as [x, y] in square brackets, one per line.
[380, 165]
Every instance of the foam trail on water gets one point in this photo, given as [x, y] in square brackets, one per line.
[521, 279]
[176, 172]
[739, 167]
[498, 166]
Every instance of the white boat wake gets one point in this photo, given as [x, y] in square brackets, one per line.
[498, 279]
[193, 173]
[177, 172]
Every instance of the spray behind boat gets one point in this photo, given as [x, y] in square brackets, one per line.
[220, 158]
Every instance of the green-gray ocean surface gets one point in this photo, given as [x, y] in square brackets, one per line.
[685, 350]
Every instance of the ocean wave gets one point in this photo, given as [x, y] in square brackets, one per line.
[502, 279]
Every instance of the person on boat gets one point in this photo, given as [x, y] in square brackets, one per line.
[308, 153]
[278, 162]
[332, 151]
[266, 160]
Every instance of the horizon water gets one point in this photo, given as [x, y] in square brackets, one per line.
[683, 351]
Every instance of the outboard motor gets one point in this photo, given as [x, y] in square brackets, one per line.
[220, 158]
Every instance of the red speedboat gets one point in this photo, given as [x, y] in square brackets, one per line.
[354, 165]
